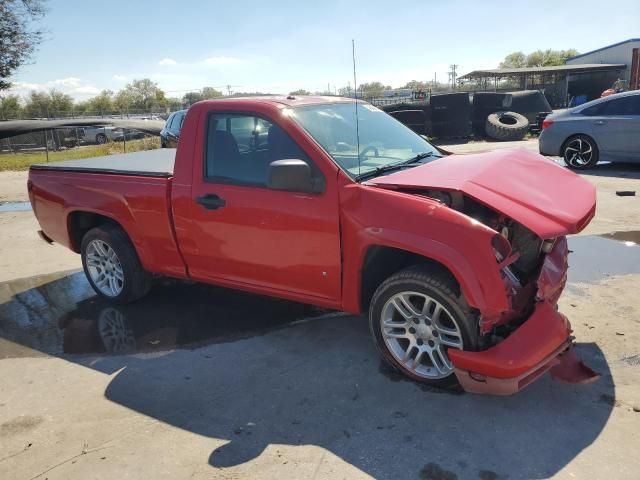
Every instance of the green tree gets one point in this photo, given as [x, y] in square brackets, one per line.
[10, 107]
[206, 93]
[514, 60]
[144, 94]
[60, 103]
[19, 35]
[123, 100]
[417, 85]
[101, 103]
[210, 92]
[539, 58]
[372, 89]
[37, 104]
[300, 91]
[48, 104]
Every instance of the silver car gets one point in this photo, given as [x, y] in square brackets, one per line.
[605, 129]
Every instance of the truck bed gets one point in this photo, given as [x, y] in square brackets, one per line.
[148, 163]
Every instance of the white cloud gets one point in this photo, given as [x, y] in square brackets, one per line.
[87, 90]
[73, 86]
[218, 61]
[167, 62]
[70, 82]
[120, 78]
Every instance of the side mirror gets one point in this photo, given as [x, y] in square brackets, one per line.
[291, 175]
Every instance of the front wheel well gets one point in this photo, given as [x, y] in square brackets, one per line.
[381, 262]
[79, 223]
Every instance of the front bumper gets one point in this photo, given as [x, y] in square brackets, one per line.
[524, 356]
[542, 343]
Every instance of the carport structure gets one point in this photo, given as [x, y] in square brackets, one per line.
[559, 83]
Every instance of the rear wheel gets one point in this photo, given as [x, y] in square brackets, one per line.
[101, 138]
[415, 318]
[112, 266]
[580, 152]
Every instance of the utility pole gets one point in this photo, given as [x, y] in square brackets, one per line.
[452, 75]
[229, 90]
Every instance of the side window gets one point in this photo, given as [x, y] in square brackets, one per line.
[635, 102]
[240, 148]
[594, 110]
[169, 121]
[619, 106]
[177, 122]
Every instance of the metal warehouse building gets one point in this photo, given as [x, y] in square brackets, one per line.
[625, 53]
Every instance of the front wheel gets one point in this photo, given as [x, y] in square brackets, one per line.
[415, 318]
[112, 266]
[580, 152]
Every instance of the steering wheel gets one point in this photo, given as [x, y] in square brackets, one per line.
[376, 153]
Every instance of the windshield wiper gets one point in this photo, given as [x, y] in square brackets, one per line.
[420, 156]
[395, 166]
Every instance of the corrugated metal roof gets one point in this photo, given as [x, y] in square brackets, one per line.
[604, 48]
[584, 67]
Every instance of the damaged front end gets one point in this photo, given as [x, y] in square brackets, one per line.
[531, 337]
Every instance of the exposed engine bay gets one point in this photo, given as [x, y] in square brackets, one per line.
[526, 244]
[527, 249]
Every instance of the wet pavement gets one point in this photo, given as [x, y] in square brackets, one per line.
[15, 207]
[596, 257]
[59, 314]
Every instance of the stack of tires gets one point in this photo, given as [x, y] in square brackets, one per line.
[450, 115]
[416, 116]
[529, 103]
[484, 104]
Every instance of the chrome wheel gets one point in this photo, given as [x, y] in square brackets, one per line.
[104, 268]
[578, 153]
[418, 330]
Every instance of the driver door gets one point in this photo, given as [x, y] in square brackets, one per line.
[278, 242]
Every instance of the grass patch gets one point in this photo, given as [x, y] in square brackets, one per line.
[22, 161]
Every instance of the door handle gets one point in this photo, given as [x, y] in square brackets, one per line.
[600, 122]
[211, 201]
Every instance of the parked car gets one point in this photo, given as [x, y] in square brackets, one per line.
[459, 261]
[171, 132]
[122, 134]
[604, 129]
[93, 135]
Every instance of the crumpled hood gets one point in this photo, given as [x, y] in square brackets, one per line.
[544, 197]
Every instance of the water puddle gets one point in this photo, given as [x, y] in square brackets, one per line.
[595, 258]
[15, 207]
[59, 314]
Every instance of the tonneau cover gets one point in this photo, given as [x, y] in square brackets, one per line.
[148, 163]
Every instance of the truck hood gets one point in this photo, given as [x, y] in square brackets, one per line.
[534, 191]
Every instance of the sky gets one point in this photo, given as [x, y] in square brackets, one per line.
[280, 46]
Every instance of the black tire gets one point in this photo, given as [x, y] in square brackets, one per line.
[136, 281]
[507, 126]
[586, 162]
[101, 138]
[440, 288]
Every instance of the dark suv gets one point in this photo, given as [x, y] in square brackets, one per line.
[170, 134]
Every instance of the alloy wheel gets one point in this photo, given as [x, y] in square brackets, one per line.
[578, 153]
[418, 331]
[104, 268]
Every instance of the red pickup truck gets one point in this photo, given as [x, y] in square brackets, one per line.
[459, 260]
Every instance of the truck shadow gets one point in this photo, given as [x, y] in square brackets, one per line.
[311, 382]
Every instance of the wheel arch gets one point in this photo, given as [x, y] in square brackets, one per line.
[79, 222]
[380, 262]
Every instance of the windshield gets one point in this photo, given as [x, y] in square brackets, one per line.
[383, 140]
